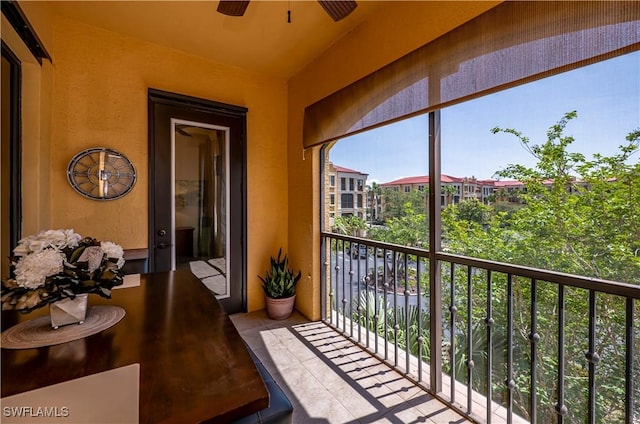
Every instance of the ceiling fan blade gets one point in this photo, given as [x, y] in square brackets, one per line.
[233, 7]
[338, 9]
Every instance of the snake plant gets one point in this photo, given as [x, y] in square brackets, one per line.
[279, 282]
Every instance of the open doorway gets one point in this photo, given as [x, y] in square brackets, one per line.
[197, 216]
[200, 202]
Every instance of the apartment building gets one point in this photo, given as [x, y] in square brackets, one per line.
[347, 194]
[485, 190]
[456, 189]
[507, 190]
[453, 190]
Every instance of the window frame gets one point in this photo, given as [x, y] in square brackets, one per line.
[344, 202]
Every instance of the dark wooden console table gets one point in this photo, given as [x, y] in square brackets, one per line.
[194, 367]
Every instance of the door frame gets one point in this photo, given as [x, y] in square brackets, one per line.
[189, 103]
[15, 145]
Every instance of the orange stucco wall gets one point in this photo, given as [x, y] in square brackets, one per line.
[95, 94]
[99, 99]
[388, 34]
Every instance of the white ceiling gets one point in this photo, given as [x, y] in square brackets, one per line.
[260, 41]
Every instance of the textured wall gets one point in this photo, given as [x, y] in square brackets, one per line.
[37, 85]
[99, 98]
[95, 94]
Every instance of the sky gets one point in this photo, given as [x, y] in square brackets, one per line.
[605, 95]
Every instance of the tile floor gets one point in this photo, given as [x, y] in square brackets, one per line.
[331, 380]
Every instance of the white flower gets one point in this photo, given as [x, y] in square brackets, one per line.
[32, 270]
[59, 239]
[21, 249]
[72, 238]
[56, 239]
[113, 251]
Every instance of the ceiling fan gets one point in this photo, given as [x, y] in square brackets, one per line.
[337, 9]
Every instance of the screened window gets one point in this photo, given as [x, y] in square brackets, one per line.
[346, 201]
[558, 191]
[546, 147]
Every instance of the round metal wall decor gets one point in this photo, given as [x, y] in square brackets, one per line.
[101, 174]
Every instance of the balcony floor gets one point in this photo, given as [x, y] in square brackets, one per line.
[331, 380]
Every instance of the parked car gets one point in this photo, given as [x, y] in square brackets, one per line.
[388, 254]
[359, 250]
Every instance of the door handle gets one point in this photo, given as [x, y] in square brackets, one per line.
[163, 245]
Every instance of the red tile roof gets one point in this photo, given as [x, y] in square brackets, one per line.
[449, 179]
[508, 183]
[422, 179]
[486, 182]
[351, 171]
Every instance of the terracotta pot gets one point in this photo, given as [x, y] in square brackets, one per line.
[280, 308]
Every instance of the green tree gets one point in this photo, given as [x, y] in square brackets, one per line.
[374, 192]
[349, 225]
[408, 229]
[581, 216]
[586, 225]
[395, 202]
[577, 216]
[449, 191]
[472, 211]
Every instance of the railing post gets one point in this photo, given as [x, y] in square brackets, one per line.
[629, 383]
[435, 288]
[592, 357]
[561, 408]
[534, 338]
[324, 263]
[490, 323]
[324, 260]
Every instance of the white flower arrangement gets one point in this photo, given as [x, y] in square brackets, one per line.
[58, 264]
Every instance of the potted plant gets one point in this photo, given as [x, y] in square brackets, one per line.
[279, 285]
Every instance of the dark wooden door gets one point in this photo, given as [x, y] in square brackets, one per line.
[218, 241]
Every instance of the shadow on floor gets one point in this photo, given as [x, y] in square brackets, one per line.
[329, 379]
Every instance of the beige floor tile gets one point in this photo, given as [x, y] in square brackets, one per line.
[298, 380]
[330, 379]
[316, 403]
[299, 350]
[358, 401]
[436, 411]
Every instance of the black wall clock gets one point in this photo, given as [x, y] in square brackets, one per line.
[101, 174]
